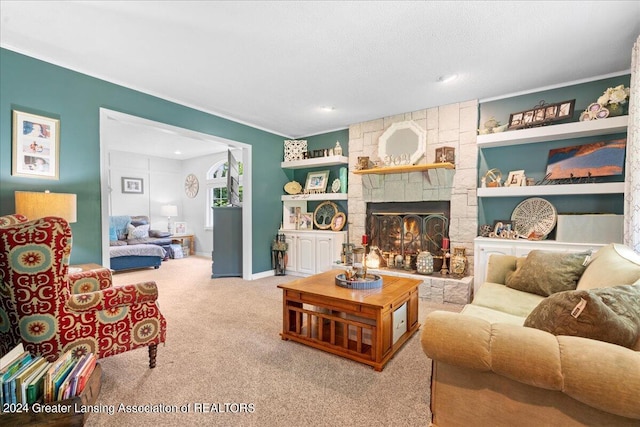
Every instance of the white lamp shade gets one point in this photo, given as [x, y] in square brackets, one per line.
[35, 205]
[169, 210]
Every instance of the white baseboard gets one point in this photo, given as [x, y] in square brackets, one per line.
[263, 274]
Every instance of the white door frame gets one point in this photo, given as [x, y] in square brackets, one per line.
[247, 232]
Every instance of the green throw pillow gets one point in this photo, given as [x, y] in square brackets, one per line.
[609, 314]
[546, 272]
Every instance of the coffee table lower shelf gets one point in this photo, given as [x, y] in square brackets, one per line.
[369, 332]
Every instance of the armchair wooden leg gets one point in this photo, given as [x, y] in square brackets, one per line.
[153, 350]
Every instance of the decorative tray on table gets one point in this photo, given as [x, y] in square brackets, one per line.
[370, 281]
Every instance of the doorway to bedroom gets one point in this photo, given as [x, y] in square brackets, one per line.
[168, 166]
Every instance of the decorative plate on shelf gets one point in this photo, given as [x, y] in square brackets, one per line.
[335, 185]
[293, 187]
[324, 213]
[534, 218]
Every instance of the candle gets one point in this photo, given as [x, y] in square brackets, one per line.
[365, 239]
[445, 243]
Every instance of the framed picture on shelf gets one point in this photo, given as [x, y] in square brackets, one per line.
[180, 227]
[338, 221]
[306, 221]
[515, 179]
[132, 185]
[36, 146]
[542, 114]
[317, 182]
[445, 154]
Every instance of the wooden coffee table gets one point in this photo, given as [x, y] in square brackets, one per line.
[368, 326]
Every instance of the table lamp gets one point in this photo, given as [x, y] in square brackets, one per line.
[169, 211]
[35, 205]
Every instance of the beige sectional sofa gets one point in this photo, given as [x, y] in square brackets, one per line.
[491, 370]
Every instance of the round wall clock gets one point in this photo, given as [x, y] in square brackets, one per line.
[191, 185]
[323, 214]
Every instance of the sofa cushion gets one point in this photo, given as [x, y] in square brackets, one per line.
[491, 315]
[609, 314]
[611, 265]
[546, 272]
[501, 298]
[139, 232]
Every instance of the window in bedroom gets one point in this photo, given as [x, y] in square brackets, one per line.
[217, 188]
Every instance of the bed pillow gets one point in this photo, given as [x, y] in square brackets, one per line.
[609, 314]
[139, 232]
[158, 233]
[113, 235]
[547, 272]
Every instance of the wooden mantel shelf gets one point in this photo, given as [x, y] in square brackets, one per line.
[404, 168]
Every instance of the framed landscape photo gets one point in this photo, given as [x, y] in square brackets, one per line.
[35, 146]
[132, 185]
[317, 182]
[603, 158]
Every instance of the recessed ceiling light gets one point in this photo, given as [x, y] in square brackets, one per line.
[327, 108]
[446, 78]
[177, 152]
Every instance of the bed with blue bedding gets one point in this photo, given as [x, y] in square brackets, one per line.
[132, 245]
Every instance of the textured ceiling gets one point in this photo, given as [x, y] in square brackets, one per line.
[273, 65]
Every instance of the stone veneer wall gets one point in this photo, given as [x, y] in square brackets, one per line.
[451, 125]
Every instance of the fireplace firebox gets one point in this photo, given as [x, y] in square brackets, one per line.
[400, 230]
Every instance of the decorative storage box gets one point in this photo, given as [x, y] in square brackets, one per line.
[596, 228]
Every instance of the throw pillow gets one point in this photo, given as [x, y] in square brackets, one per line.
[609, 314]
[139, 232]
[546, 272]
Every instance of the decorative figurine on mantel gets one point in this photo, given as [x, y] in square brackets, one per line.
[338, 149]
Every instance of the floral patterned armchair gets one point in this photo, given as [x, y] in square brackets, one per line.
[51, 311]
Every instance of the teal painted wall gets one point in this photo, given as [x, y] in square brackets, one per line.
[34, 86]
[533, 157]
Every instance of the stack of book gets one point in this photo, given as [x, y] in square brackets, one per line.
[25, 379]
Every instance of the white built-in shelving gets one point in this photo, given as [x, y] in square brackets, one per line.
[554, 132]
[315, 162]
[553, 190]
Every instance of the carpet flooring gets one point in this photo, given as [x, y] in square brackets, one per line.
[224, 364]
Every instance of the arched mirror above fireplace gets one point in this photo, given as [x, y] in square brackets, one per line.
[402, 143]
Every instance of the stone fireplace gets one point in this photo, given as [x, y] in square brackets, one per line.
[445, 126]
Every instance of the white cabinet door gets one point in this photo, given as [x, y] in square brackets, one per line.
[325, 256]
[306, 254]
[291, 252]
